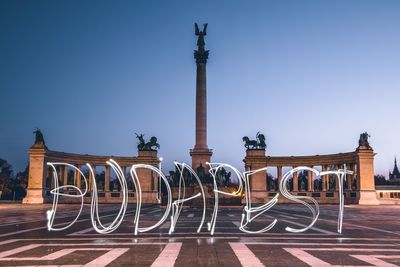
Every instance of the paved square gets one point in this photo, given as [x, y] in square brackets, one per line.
[371, 237]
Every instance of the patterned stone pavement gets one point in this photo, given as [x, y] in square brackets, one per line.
[371, 237]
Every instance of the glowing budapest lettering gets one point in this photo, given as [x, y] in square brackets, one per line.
[174, 207]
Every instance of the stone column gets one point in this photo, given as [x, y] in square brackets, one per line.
[310, 182]
[60, 173]
[365, 172]
[124, 173]
[200, 153]
[37, 169]
[201, 106]
[279, 173]
[348, 177]
[324, 179]
[92, 178]
[351, 176]
[77, 176]
[74, 177]
[65, 175]
[107, 179]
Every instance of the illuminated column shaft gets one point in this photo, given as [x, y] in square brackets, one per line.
[201, 107]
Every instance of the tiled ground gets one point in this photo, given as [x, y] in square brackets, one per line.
[371, 237]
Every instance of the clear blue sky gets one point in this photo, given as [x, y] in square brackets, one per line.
[311, 75]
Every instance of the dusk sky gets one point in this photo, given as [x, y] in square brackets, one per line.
[310, 75]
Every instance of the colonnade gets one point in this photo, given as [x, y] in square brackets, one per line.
[358, 189]
[63, 172]
[350, 184]
[41, 179]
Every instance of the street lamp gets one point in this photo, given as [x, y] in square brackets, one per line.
[159, 181]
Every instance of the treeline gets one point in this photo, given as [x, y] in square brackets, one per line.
[381, 180]
[12, 187]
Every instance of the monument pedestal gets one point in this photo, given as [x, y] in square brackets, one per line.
[365, 173]
[37, 168]
[33, 196]
[148, 179]
[257, 180]
[150, 198]
[368, 198]
[259, 197]
[200, 156]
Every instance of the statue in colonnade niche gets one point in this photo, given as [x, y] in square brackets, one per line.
[302, 185]
[317, 184]
[354, 184]
[332, 183]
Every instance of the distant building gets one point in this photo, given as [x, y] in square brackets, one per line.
[388, 191]
[394, 176]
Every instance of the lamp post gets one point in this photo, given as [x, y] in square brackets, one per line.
[159, 181]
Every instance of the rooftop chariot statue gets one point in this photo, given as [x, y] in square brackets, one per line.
[363, 141]
[258, 143]
[147, 146]
[39, 139]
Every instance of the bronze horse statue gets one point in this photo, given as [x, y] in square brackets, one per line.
[249, 144]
